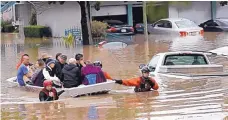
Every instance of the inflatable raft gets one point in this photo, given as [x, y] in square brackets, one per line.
[99, 88]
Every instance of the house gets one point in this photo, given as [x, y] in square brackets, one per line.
[61, 17]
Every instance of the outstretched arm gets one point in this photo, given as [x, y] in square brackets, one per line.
[129, 82]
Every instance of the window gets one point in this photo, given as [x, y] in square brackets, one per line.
[163, 24]
[223, 22]
[153, 63]
[185, 24]
[185, 59]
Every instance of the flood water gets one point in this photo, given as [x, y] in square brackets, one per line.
[177, 99]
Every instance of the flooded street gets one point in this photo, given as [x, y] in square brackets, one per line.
[177, 99]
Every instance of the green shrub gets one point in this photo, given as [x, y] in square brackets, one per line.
[37, 31]
[98, 29]
[8, 28]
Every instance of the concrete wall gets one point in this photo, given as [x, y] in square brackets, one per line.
[196, 11]
[61, 17]
[221, 11]
[8, 14]
[110, 10]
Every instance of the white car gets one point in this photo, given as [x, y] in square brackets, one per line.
[175, 26]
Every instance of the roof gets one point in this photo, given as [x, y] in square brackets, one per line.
[180, 52]
[174, 19]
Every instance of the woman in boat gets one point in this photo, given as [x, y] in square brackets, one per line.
[50, 75]
[143, 83]
[37, 77]
[99, 64]
[48, 93]
[92, 74]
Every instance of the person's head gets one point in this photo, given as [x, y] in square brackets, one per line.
[45, 57]
[25, 59]
[145, 72]
[72, 61]
[57, 57]
[88, 62]
[51, 64]
[40, 63]
[62, 59]
[47, 84]
[79, 57]
[97, 63]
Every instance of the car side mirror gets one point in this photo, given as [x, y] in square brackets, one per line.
[141, 66]
[152, 69]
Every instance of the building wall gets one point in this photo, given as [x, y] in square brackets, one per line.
[61, 17]
[8, 14]
[110, 10]
[196, 11]
[221, 11]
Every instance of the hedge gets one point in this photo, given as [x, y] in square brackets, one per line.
[37, 31]
[8, 28]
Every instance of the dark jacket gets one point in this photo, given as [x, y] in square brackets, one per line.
[72, 76]
[58, 69]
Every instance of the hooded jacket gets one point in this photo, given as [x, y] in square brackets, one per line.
[71, 76]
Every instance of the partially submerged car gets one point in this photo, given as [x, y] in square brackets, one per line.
[182, 62]
[175, 26]
[217, 25]
[118, 27]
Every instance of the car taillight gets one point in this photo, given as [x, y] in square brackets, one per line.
[183, 33]
[113, 29]
[132, 29]
[201, 32]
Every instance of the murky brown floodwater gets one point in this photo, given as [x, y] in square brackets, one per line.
[177, 98]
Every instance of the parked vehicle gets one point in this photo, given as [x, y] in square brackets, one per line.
[175, 26]
[217, 25]
[182, 62]
[139, 27]
[116, 26]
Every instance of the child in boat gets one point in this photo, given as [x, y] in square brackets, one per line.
[48, 93]
[99, 64]
[92, 74]
[143, 83]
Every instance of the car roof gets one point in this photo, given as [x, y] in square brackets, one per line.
[180, 52]
[174, 19]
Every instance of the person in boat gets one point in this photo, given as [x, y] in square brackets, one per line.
[49, 75]
[45, 57]
[57, 56]
[37, 77]
[72, 74]
[80, 61]
[99, 64]
[143, 83]
[48, 93]
[59, 66]
[92, 74]
[23, 74]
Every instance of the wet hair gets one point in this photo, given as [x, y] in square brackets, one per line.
[57, 55]
[78, 56]
[40, 62]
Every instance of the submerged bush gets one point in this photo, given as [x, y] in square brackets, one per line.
[37, 31]
[98, 29]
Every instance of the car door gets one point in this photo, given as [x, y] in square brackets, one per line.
[162, 27]
[212, 26]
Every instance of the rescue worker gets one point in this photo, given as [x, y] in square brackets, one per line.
[99, 64]
[48, 93]
[143, 83]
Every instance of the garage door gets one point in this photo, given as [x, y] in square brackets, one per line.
[110, 10]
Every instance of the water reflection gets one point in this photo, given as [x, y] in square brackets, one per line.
[177, 98]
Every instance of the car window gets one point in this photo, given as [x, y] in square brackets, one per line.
[223, 22]
[185, 24]
[153, 63]
[163, 24]
[185, 59]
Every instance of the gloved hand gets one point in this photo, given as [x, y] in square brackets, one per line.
[118, 81]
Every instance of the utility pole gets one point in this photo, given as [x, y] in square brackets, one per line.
[145, 21]
[87, 6]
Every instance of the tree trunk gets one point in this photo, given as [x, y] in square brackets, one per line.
[84, 27]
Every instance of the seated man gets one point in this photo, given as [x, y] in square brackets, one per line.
[92, 74]
[48, 93]
[23, 73]
[143, 83]
[71, 74]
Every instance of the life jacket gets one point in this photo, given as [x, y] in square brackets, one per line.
[145, 85]
[52, 90]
